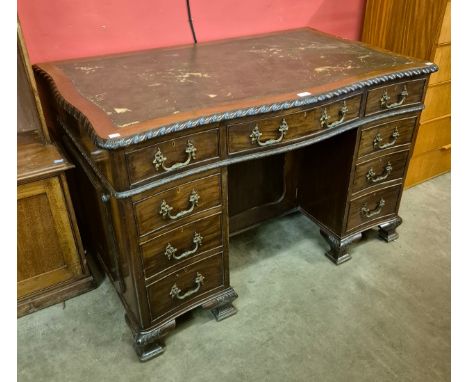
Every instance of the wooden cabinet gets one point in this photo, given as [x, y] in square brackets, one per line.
[420, 29]
[51, 262]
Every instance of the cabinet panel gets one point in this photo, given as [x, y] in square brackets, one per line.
[433, 135]
[443, 58]
[47, 253]
[438, 101]
[428, 165]
[444, 36]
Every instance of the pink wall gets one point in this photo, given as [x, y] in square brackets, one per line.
[61, 29]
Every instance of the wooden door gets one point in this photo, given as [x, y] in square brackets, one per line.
[47, 248]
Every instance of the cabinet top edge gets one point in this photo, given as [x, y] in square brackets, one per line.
[129, 98]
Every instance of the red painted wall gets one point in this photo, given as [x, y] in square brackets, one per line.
[62, 29]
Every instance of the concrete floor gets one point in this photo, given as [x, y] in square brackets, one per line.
[383, 316]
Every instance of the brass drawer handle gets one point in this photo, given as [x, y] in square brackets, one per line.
[175, 291]
[371, 176]
[366, 212]
[385, 98]
[171, 251]
[256, 134]
[159, 158]
[166, 209]
[325, 117]
[378, 139]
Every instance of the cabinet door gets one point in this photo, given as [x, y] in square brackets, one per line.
[47, 250]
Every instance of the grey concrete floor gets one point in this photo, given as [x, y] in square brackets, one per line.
[383, 316]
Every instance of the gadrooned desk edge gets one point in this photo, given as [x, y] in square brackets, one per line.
[116, 143]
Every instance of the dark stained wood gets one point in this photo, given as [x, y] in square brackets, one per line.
[414, 88]
[159, 292]
[367, 174]
[339, 246]
[261, 189]
[255, 183]
[216, 94]
[141, 166]
[154, 251]
[404, 127]
[356, 218]
[131, 93]
[147, 210]
[300, 124]
[324, 177]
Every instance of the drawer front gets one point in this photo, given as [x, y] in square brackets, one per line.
[274, 131]
[172, 155]
[186, 286]
[385, 136]
[380, 170]
[181, 244]
[394, 96]
[173, 205]
[373, 207]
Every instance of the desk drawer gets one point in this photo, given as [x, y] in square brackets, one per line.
[268, 132]
[181, 244]
[373, 206]
[394, 96]
[175, 204]
[382, 169]
[386, 136]
[169, 156]
[185, 286]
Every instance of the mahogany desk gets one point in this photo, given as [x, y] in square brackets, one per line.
[178, 148]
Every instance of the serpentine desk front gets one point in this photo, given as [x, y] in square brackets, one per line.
[178, 148]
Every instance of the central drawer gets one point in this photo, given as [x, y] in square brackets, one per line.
[174, 205]
[186, 286]
[260, 134]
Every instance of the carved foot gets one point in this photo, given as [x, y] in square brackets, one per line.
[221, 306]
[338, 252]
[224, 311]
[387, 231]
[149, 343]
[149, 351]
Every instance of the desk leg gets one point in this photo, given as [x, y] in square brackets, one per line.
[221, 306]
[338, 252]
[387, 231]
[149, 344]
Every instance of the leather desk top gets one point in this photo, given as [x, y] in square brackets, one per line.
[128, 98]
